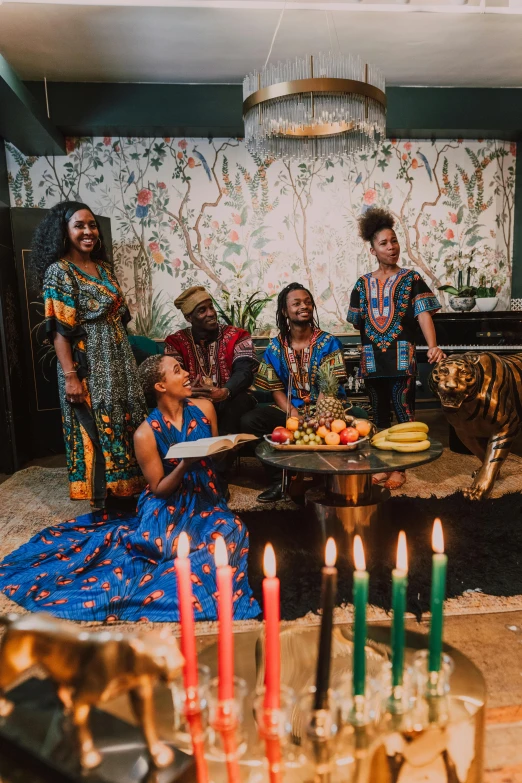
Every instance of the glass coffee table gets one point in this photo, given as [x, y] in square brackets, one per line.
[349, 502]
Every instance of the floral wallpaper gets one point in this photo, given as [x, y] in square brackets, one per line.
[188, 211]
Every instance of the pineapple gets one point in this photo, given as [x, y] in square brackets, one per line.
[329, 406]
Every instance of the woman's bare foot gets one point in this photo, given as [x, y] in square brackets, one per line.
[395, 480]
[378, 477]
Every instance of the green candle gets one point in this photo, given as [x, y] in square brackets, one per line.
[438, 592]
[399, 585]
[361, 579]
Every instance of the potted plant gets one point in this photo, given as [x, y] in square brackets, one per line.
[486, 296]
[237, 311]
[462, 298]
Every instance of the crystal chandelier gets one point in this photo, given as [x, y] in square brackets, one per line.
[321, 106]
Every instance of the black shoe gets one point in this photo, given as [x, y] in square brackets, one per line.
[271, 494]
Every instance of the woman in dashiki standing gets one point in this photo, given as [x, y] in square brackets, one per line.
[100, 394]
[384, 306]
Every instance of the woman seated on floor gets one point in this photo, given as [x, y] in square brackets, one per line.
[111, 567]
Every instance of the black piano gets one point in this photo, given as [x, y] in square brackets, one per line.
[460, 332]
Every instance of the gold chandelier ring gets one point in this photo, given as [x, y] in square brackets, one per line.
[313, 85]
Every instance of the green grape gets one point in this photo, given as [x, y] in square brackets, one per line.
[306, 438]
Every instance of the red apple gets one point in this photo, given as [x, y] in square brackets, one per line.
[281, 435]
[348, 435]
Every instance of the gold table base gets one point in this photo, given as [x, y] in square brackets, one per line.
[350, 505]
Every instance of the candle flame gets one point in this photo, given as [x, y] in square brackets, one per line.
[330, 555]
[183, 545]
[358, 554]
[437, 538]
[402, 552]
[269, 562]
[220, 552]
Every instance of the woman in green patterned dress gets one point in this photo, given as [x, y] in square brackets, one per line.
[101, 397]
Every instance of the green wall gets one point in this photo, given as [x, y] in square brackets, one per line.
[215, 110]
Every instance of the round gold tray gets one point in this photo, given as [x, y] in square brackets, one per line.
[306, 447]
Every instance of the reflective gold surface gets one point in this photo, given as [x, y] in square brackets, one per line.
[464, 736]
[316, 85]
[90, 669]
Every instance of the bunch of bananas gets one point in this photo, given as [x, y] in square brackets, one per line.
[407, 437]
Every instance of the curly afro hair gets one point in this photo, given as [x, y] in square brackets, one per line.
[50, 241]
[150, 373]
[374, 220]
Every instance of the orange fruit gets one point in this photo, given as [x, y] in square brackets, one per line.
[337, 425]
[362, 426]
[322, 432]
[332, 438]
[292, 424]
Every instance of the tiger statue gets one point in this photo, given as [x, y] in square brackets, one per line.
[481, 395]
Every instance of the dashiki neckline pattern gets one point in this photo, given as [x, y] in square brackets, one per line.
[386, 306]
[298, 363]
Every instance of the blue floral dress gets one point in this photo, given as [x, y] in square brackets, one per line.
[112, 567]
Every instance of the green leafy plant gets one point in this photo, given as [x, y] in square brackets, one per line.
[236, 312]
[157, 323]
[460, 289]
[467, 290]
[485, 291]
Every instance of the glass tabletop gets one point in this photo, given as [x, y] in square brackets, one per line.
[367, 459]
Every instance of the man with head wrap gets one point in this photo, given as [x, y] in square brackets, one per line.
[220, 359]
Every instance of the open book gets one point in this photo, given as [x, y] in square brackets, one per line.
[204, 447]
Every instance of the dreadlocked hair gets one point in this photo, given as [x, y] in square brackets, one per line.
[281, 319]
[51, 239]
[150, 372]
[374, 220]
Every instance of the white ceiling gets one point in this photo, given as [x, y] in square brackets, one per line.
[210, 42]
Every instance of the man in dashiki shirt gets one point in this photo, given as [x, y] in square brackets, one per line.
[291, 364]
[221, 359]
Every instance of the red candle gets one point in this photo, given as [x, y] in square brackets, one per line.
[225, 612]
[186, 612]
[272, 647]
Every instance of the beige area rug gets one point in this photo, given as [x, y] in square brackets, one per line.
[453, 472]
[37, 497]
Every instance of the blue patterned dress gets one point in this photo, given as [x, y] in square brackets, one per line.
[113, 567]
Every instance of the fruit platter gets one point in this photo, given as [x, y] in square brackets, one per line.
[315, 432]
[408, 437]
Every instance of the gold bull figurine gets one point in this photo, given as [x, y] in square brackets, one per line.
[481, 396]
[90, 669]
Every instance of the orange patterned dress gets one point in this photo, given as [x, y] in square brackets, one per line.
[91, 313]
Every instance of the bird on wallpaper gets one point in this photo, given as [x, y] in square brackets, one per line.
[204, 163]
[426, 164]
[359, 179]
[130, 180]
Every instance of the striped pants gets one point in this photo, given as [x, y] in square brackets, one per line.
[385, 392]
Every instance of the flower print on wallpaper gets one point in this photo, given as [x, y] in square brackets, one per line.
[188, 211]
